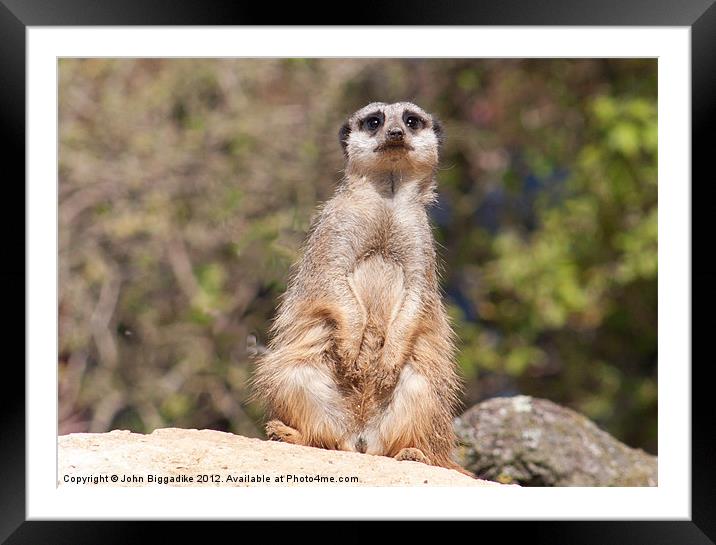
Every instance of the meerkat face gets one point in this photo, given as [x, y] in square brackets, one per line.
[391, 137]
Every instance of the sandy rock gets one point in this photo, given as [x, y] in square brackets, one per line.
[181, 457]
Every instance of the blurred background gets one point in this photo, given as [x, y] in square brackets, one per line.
[186, 187]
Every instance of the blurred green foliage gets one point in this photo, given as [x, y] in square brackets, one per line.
[187, 186]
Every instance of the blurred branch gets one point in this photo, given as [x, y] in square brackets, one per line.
[181, 265]
[101, 318]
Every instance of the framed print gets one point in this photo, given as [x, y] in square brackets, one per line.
[429, 244]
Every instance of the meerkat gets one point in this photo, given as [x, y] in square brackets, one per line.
[361, 354]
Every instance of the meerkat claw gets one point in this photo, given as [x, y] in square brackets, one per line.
[412, 454]
[278, 431]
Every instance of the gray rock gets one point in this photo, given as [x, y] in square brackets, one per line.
[534, 442]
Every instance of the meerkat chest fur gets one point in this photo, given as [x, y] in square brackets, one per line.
[388, 218]
[394, 254]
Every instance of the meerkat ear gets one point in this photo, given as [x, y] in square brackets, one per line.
[343, 136]
[438, 130]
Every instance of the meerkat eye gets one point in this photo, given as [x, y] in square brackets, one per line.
[414, 122]
[373, 122]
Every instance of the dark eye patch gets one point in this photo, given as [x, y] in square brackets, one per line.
[438, 130]
[373, 121]
[343, 135]
[413, 120]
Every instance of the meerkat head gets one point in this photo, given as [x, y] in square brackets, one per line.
[399, 137]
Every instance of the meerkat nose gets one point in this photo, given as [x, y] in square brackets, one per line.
[395, 134]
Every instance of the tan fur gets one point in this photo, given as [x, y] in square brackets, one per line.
[362, 354]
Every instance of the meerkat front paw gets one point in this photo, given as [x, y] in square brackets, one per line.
[278, 431]
[348, 357]
[412, 454]
[387, 377]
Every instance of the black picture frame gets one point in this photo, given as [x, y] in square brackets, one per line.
[17, 15]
